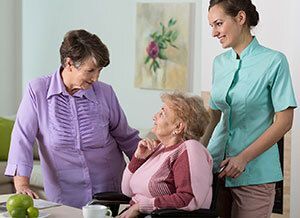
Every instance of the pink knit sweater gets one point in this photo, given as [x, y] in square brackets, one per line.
[179, 177]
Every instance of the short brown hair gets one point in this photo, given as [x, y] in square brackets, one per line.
[79, 45]
[189, 109]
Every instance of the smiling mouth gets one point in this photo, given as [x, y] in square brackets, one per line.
[221, 39]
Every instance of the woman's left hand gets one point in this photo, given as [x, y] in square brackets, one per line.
[132, 212]
[234, 167]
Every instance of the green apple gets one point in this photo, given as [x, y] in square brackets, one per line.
[19, 201]
[33, 212]
[18, 212]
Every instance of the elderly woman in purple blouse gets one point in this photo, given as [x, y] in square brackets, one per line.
[79, 124]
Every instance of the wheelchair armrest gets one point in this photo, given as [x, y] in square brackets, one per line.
[111, 200]
[112, 197]
[169, 212]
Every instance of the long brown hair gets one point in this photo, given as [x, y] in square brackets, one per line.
[232, 8]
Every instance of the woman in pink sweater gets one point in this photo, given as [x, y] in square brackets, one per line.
[174, 171]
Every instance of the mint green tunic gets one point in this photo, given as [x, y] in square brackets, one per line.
[248, 91]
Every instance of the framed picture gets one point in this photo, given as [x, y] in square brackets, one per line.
[164, 37]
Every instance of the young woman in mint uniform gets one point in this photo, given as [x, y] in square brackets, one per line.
[251, 106]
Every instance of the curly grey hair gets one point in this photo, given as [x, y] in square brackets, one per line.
[190, 110]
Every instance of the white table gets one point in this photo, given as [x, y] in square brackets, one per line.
[57, 211]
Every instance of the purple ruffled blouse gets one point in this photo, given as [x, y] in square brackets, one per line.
[81, 139]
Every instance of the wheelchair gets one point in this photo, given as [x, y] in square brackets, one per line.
[114, 199]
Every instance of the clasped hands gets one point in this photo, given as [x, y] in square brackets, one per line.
[232, 167]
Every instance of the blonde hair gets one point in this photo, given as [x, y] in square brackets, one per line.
[190, 110]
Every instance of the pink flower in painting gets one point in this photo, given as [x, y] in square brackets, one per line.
[160, 40]
[152, 49]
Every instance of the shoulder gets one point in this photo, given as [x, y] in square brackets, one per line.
[279, 57]
[223, 61]
[271, 54]
[194, 147]
[105, 93]
[225, 56]
[39, 85]
[103, 88]
[275, 61]
[102, 85]
[194, 144]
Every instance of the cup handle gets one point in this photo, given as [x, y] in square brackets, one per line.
[108, 213]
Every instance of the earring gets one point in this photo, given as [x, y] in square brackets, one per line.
[174, 133]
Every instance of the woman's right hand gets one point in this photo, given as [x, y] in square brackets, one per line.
[27, 191]
[145, 148]
[22, 186]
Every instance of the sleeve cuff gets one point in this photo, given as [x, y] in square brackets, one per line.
[146, 205]
[135, 163]
[17, 170]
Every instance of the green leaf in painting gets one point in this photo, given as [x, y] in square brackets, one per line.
[151, 65]
[154, 35]
[147, 59]
[157, 64]
[162, 45]
[174, 35]
[172, 22]
[169, 33]
[174, 46]
[162, 55]
[163, 28]
[154, 66]
[159, 38]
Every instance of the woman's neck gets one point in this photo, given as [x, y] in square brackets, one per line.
[66, 81]
[244, 41]
[173, 140]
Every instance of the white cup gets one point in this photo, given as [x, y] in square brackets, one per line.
[96, 211]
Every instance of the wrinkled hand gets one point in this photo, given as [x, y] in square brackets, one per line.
[26, 191]
[132, 212]
[145, 148]
[234, 167]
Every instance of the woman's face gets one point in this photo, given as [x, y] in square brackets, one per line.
[83, 76]
[226, 28]
[164, 122]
